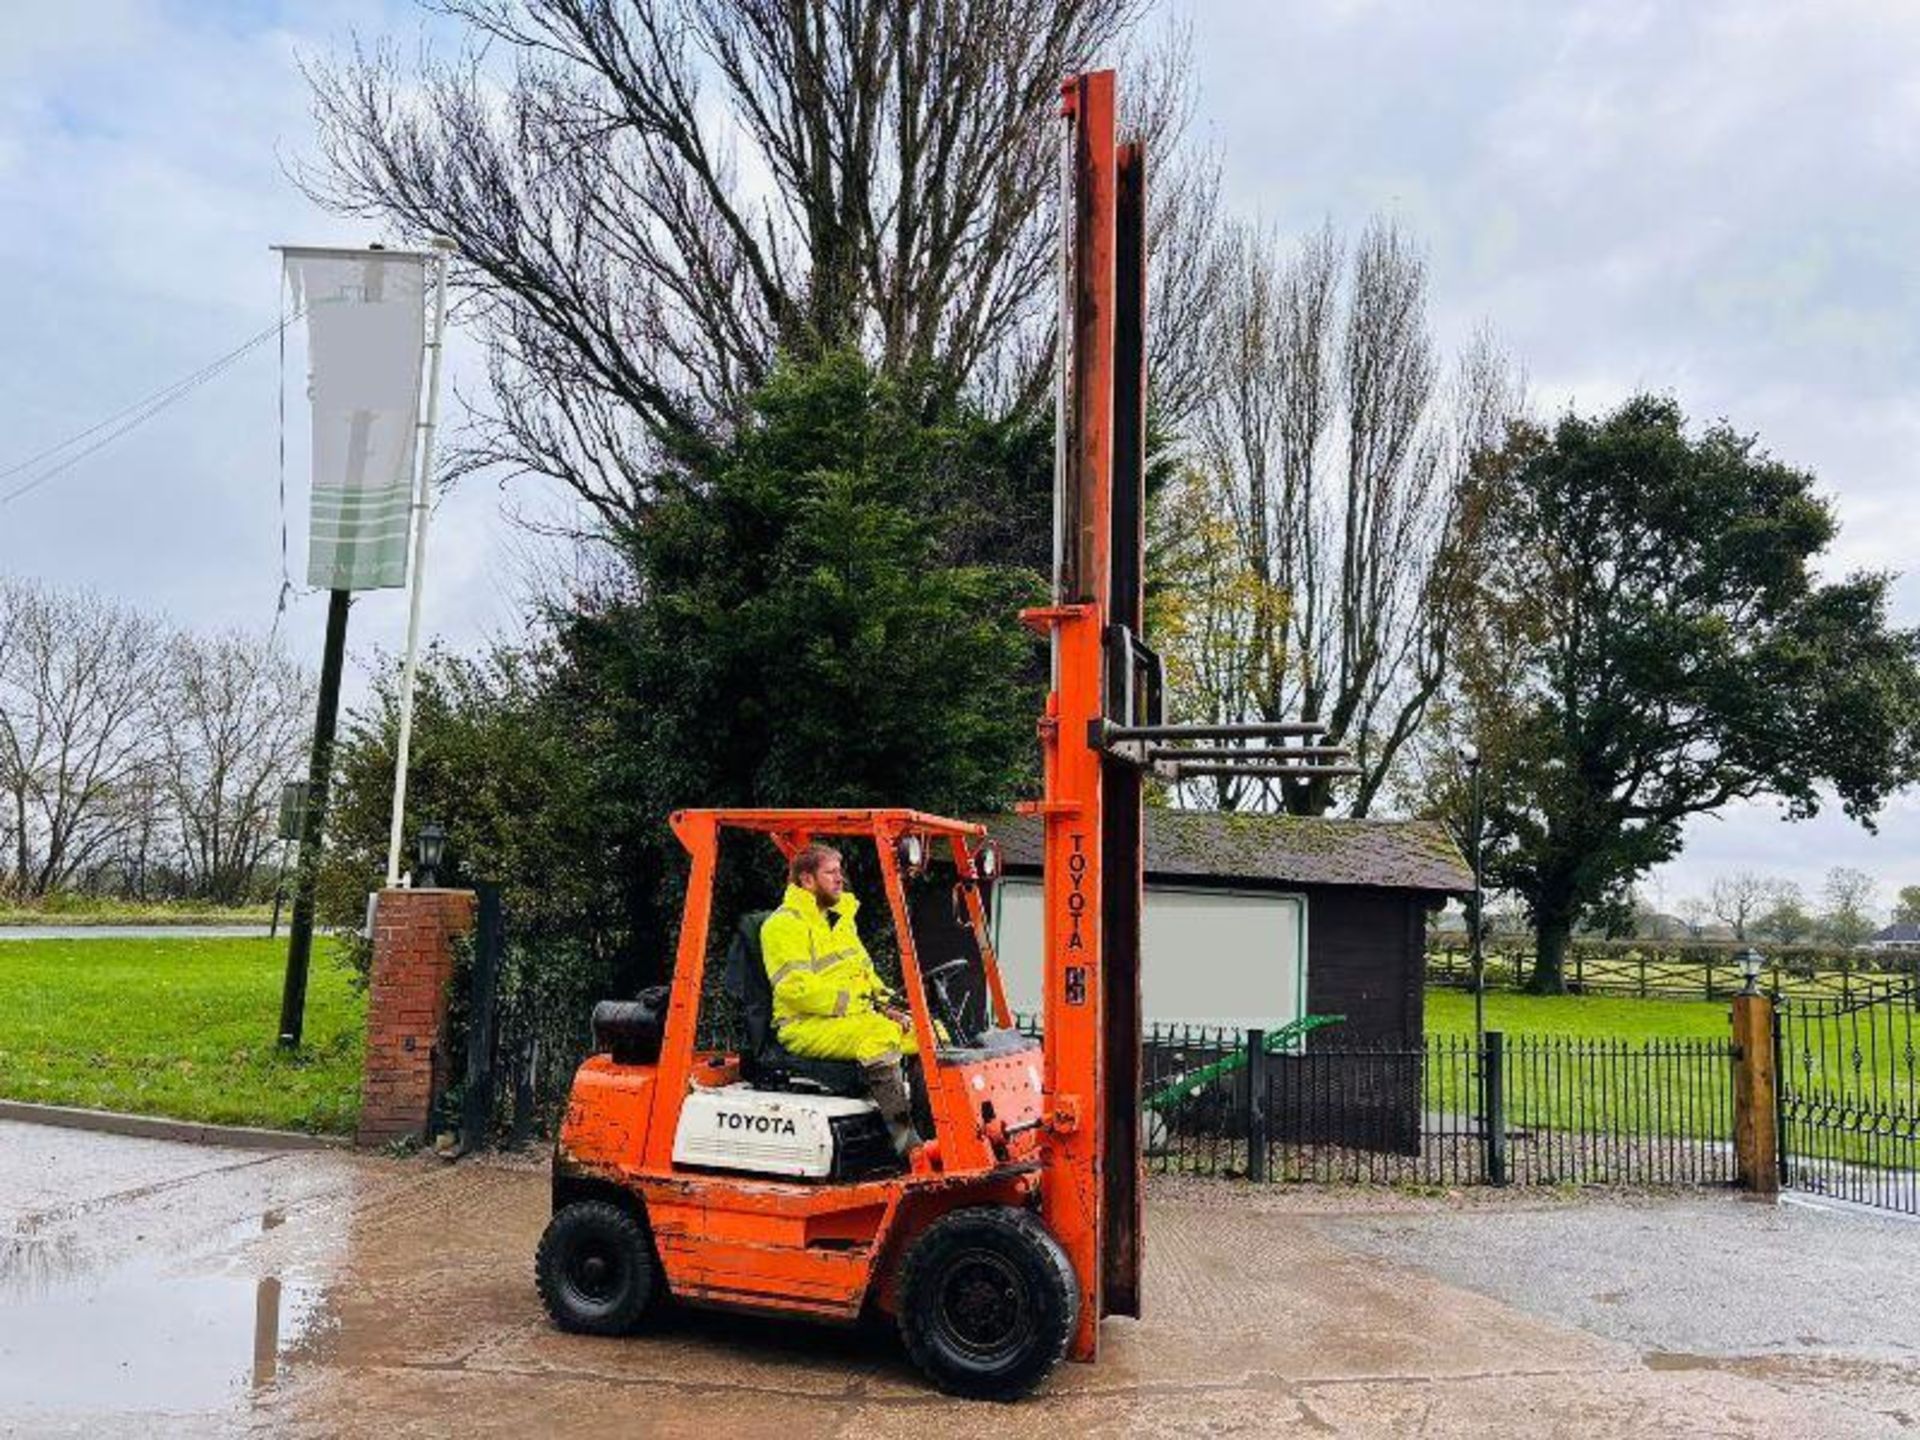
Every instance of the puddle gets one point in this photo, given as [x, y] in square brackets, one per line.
[141, 1336]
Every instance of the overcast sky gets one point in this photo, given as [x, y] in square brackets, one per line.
[1711, 199]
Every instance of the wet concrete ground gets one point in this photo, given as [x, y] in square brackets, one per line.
[153, 1288]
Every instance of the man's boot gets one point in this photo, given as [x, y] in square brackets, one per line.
[887, 1084]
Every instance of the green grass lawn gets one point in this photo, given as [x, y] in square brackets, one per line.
[1583, 1063]
[1600, 1017]
[179, 1027]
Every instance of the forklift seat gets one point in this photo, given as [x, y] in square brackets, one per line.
[765, 1063]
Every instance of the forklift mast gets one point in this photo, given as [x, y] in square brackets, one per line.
[1091, 810]
[1103, 730]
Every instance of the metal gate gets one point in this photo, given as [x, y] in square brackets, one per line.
[1849, 1095]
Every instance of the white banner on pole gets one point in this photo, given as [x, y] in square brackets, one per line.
[366, 333]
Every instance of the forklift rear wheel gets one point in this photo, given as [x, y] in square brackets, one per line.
[988, 1301]
[596, 1269]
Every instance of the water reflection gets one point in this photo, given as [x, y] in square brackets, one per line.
[35, 1259]
[266, 1331]
[266, 1316]
[77, 1338]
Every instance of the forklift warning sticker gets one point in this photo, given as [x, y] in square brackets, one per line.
[1076, 984]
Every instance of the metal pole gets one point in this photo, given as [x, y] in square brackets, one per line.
[293, 994]
[1257, 1104]
[1493, 1104]
[422, 507]
[279, 893]
[1479, 919]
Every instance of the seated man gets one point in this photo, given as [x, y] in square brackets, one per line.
[828, 1002]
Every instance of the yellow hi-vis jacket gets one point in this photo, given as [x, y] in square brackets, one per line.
[816, 961]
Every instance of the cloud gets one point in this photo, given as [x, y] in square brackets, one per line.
[1712, 199]
[142, 168]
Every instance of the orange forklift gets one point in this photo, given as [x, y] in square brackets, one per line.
[742, 1176]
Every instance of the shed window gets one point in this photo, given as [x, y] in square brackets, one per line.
[1209, 957]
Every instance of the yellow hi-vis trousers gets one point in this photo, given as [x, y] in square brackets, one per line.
[865, 1036]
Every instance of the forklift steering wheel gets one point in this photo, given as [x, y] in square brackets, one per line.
[950, 1014]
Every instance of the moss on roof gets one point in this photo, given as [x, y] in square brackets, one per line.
[1292, 849]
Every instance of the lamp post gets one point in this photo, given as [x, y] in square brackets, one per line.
[1476, 920]
[429, 849]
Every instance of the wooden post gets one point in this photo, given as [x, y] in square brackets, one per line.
[1756, 1124]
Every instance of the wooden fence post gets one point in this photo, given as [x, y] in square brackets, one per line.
[1756, 1115]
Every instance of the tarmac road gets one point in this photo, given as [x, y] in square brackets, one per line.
[148, 1287]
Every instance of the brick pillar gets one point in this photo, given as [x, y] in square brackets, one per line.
[413, 936]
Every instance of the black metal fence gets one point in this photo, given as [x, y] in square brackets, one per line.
[1438, 1110]
[1849, 1093]
[522, 1018]
[1434, 1111]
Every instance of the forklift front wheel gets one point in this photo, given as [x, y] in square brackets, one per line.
[595, 1268]
[988, 1301]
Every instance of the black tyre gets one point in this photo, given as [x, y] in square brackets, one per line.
[596, 1270]
[988, 1302]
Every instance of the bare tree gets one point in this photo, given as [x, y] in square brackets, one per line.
[12, 800]
[143, 860]
[75, 726]
[1693, 912]
[234, 720]
[1849, 894]
[1737, 899]
[654, 197]
[1340, 446]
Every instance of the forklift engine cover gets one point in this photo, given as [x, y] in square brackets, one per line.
[762, 1132]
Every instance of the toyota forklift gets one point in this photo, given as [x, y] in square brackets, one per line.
[741, 1176]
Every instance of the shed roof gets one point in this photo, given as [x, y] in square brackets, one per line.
[1287, 849]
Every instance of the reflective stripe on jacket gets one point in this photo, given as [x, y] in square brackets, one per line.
[816, 961]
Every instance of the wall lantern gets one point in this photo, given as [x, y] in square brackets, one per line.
[1751, 963]
[429, 850]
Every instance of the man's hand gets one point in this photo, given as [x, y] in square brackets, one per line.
[899, 1017]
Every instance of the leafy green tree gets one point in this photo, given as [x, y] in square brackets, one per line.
[1907, 910]
[504, 765]
[1650, 641]
[1786, 919]
[798, 634]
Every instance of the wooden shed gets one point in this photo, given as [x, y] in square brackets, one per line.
[1258, 919]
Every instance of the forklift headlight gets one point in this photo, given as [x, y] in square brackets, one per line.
[986, 861]
[911, 848]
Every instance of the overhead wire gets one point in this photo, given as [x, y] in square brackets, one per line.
[280, 463]
[131, 417]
